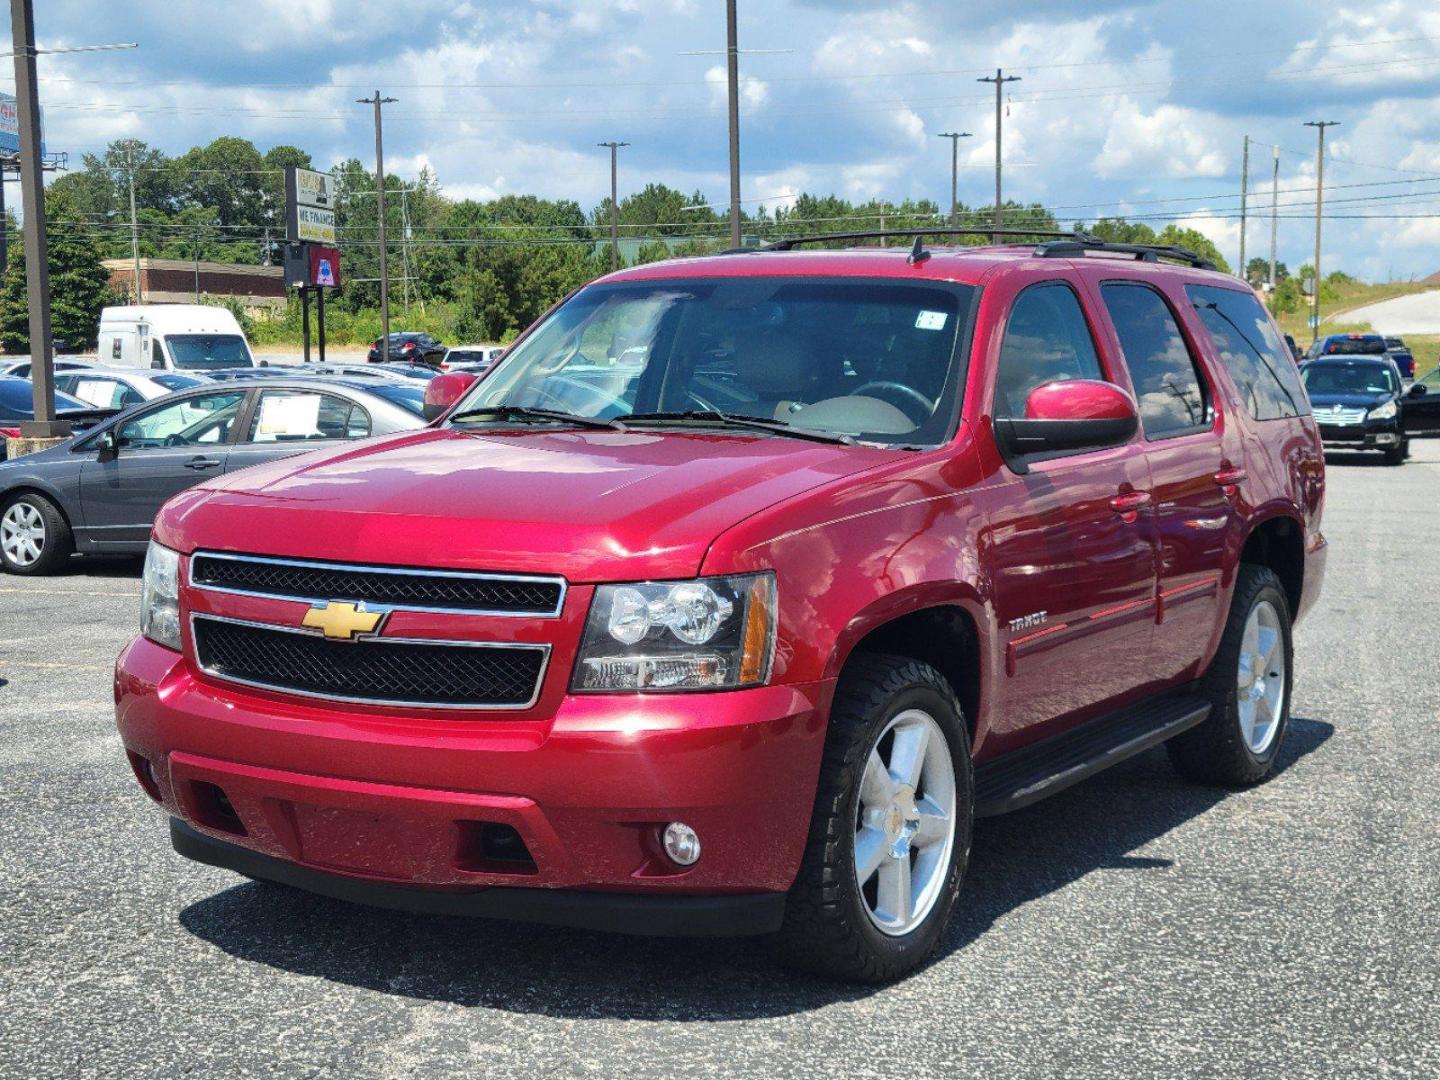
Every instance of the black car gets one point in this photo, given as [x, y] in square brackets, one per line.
[17, 405]
[99, 492]
[1401, 354]
[409, 346]
[1422, 406]
[1358, 404]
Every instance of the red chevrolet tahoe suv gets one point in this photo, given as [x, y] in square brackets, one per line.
[739, 588]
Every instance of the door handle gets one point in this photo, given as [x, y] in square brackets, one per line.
[1129, 504]
[201, 463]
[1228, 478]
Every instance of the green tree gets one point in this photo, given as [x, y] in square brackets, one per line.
[79, 284]
[1196, 241]
[1258, 270]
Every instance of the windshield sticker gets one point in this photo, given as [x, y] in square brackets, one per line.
[931, 320]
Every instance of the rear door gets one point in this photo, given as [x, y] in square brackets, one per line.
[1185, 447]
[161, 451]
[287, 421]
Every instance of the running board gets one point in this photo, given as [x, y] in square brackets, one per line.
[1029, 774]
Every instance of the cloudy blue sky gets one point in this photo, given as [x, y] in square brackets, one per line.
[1135, 108]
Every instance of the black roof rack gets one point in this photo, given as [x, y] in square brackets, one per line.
[1080, 244]
[791, 242]
[1054, 245]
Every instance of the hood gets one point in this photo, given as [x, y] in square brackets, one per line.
[591, 505]
[1321, 403]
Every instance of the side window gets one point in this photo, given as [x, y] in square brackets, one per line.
[1251, 351]
[194, 421]
[1046, 339]
[305, 415]
[157, 355]
[102, 393]
[1168, 386]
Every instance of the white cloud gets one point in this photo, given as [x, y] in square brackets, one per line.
[752, 90]
[1168, 141]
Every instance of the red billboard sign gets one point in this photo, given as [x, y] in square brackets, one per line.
[324, 267]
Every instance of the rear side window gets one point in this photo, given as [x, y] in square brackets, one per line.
[304, 415]
[1252, 352]
[1046, 339]
[1168, 386]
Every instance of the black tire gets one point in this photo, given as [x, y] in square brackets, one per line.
[1397, 455]
[827, 929]
[1216, 752]
[56, 546]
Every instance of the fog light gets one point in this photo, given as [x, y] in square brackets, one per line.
[681, 843]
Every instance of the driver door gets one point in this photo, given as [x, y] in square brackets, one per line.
[159, 452]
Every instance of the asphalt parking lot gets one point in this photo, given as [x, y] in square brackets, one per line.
[1132, 926]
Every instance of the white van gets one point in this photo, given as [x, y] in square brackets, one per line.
[172, 337]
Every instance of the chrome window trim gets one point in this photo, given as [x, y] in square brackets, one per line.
[544, 649]
[370, 569]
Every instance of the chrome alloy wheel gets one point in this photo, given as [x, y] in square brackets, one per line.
[22, 534]
[1260, 678]
[905, 825]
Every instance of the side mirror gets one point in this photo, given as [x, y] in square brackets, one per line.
[106, 445]
[1418, 390]
[1066, 417]
[443, 391]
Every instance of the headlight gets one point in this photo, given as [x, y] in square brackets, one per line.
[160, 596]
[1382, 412]
[708, 634]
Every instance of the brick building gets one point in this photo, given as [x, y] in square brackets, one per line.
[177, 281]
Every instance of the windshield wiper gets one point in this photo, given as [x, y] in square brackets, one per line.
[752, 423]
[524, 412]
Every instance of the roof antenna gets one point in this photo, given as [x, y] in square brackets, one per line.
[918, 254]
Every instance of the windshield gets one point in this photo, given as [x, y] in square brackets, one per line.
[1355, 346]
[17, 400]
[206, 352]
[171, 381]
[877, 360]
[1349, 379]
[409, 396]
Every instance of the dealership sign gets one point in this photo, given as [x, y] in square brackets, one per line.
[309, 206]
[10, 126]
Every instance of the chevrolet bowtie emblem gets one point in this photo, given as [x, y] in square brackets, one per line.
[343, 621]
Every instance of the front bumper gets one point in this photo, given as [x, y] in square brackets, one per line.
[395, 810]
[1368, 435]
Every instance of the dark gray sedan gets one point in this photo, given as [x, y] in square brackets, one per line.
[99, 491]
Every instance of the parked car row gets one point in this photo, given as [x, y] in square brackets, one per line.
[1357, 344]
[99, 491]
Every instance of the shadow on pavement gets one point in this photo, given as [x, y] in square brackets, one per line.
[106, 566]
[575, 974]
[1371, 459]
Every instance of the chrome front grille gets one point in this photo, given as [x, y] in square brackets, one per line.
[1341, 417]
[395, 587]
[379, 671]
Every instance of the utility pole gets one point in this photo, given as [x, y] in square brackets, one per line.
[1244, 198]
[1319, 126]
[732, 64]
[614, 205]
[954, 137]
[1274, 214]
[377, 101]
[37, 254]
[134, 225]
[999, 79]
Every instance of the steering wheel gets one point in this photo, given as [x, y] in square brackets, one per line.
[906, 395]
[176, 439]
[606, 399]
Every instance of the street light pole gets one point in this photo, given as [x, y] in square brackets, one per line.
[614, 205]
[1274, 215]
[1319, 126]
[1244, 204]
[999, 79]
[134, 225]
[37, 254]
[954, 137]
[732, 65]
[377, 101]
